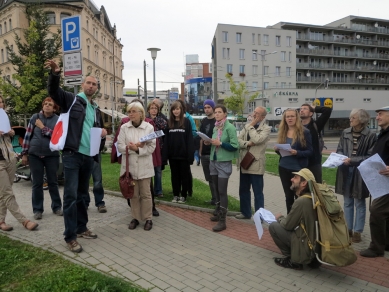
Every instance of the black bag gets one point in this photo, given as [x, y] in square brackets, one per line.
[126, 182]
[247, 160]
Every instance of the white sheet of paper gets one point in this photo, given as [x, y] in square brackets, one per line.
[334, 160]
[118, 154]
[258, 224]
[95, 140]
[377, 184]
[266, 215]
[152, 136]
[284, 149]
[204, 137]
[5, 125]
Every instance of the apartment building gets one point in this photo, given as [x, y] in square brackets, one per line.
[352, 53]
[101, 50]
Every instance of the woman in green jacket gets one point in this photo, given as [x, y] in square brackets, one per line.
[223, 151]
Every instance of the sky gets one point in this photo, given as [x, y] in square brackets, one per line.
[180, 28]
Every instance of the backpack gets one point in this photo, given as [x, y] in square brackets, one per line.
[320, 137]
[334, 243]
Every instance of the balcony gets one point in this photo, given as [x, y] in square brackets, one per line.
[342, 39]
[318, 52]
[372, 81]
[341, 67]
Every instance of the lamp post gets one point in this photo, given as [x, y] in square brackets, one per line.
[154, 56]
[263, 73]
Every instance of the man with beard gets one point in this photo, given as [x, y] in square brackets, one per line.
[77, 162]
[315, 127]
[293, 233]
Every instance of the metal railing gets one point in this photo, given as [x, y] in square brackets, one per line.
[343, 80]
[341, 54]
[341, 67]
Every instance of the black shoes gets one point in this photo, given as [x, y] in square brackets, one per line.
[133, 224]
[369, 253]
[155, 212]
[148, 225]
[287, 263]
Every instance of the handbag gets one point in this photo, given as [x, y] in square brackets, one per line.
[126, 182]
[247, 160]
[60, 131]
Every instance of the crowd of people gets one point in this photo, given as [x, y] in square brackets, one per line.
[216, 149]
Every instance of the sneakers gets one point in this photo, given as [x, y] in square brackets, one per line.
[175, 199]
[356, 237]
[287, 263]
[102, 209]
[59, 212]
[241, 216]
[87, 234]
[182, 200]
[37, 216]
[369, 253]
[74, 246]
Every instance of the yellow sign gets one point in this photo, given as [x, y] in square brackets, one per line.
[328, 102]
[131, 92]
[317, 102]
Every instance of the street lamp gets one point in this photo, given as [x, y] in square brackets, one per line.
[154, 56]
[263, 73]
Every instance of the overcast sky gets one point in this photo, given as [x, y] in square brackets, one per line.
[180, 27]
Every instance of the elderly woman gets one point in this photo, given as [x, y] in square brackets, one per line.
[140, 163]
[356, 143]
[7, 174]
[37, 153]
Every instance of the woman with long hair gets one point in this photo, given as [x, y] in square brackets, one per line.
[178, 149]
[356, 143]
[292, 132]
[7, 174]
[223, 150]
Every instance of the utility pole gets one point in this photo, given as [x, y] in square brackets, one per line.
[145, 85]
[138, 90]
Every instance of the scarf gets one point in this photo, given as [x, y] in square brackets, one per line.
[219, 125]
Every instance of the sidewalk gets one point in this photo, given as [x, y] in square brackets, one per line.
[181, 253]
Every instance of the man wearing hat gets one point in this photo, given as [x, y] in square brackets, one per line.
[206, 127]
[287, 232]
[379, 208]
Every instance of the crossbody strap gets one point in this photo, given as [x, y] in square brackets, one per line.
[127, 163]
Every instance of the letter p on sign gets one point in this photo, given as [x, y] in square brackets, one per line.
[69, 30]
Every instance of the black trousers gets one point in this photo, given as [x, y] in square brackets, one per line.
[379, 224]
[180, 178]
[286, 176]
[317, 172]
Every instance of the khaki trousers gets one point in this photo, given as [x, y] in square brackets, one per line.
[141, 202]
[7, 197]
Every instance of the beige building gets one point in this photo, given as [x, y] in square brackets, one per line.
[101, 50]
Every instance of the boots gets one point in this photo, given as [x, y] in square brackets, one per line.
[221, 224]
[215, 213]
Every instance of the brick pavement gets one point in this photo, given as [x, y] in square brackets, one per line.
[181, 253]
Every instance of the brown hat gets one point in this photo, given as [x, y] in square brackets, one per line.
[306, 173]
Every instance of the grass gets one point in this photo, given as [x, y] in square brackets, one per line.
[28, 268]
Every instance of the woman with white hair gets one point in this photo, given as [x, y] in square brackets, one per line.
[356, 143]
[140, 163]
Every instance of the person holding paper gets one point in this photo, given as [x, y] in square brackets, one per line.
[379, 208]
[7, 174]
[77, 162]
[294, 133]
[37, 153]
[288, 232]
[357, 144]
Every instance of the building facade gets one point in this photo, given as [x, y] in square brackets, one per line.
[101, 50]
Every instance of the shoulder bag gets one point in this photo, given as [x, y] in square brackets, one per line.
[126, 182]
[247, 160]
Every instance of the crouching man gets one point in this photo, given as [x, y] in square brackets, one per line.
[295, 233]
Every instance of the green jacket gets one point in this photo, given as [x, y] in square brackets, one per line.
[228, 136]
[301, 214]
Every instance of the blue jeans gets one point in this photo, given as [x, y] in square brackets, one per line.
[158, 181]
[196, 156]
[246, 181]
[98, 190]
[78, 169]
[360, 213]
[37, 167]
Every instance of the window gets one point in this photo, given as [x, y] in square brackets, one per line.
[266, 85]
[50, 17]
[5, 27]
[266, 39]
[255, 86]
[266, 70]
[87, 25]
[241, 69]
[278, 40]
[288, 41]
[278, 71]
[255, 55]
[263, 53]
[367, 100]
[225, 36]
[224, 53]
[255, 69]
[259, 39]
[97, 57]
[238, 37]
[1, 29]
[88, 51]
[241, 54]
[283, 56]
[229, 68]
[251, 106]
[288, 71]
[63, 15]
[2, 55]
[276, 84]
[253, 38]
[283, 84]
[290, 84]
[10, 24]
[339, 99]
[295, 99]
[290, 56]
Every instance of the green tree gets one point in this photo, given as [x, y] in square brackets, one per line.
[236, 101]
[38, 45]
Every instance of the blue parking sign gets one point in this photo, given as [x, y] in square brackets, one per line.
[71, 33]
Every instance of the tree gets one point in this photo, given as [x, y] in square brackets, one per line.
[236, 101]
[38, 45]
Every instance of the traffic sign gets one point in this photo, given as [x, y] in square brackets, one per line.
[72, 64]
[71, 33]
[73, 81]
[173, 95]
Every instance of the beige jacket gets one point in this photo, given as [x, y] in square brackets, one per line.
[259, 137]
[141, 165]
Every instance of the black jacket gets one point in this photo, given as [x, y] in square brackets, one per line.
[382, 145]
[320, 123]
[77, 114]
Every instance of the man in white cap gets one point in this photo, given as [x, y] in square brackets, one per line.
[379, 209]
[287, 232]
